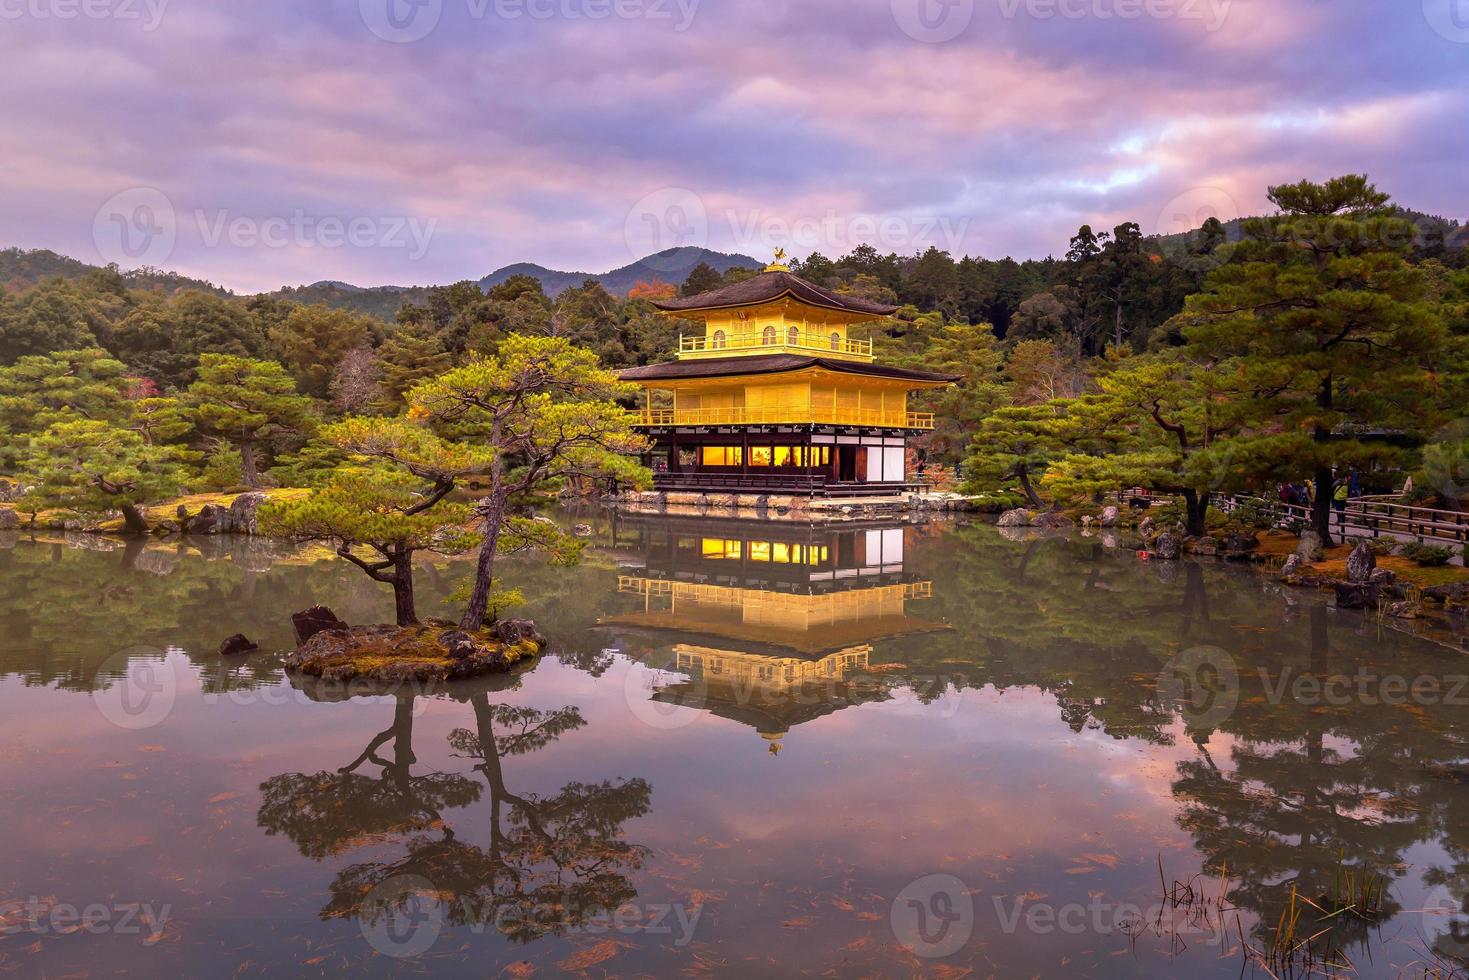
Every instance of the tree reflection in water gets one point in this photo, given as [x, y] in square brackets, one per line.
[551, 863]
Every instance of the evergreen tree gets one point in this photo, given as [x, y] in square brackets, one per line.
[1328, 332]
[246, 403]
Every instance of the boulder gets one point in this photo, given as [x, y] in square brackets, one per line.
[1052, 521]
[1405, 610]
[1356, 595]
[461, 645]
[211, 519]
[244, 514]
[1455, 592]
[1311, 548]
[1206, 546]
[1168, 547]
[317, 619]
[1146, 527]
[1110, 517]
[1383, 576]
[1293, 566]
[1361, 563]
[9, 519]
[1237, 546]
[582, 530]
[1019, 517]
[237, 645]
[514, 631]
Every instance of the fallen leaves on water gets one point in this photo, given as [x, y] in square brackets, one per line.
[584, 959]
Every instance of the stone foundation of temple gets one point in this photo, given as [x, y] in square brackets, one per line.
[784, 507]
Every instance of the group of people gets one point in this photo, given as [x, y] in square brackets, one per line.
[1303, 494]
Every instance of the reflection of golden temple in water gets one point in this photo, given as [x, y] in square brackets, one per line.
[779, 618]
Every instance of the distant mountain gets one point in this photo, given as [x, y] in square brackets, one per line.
[22, 268]
[1429, 226]
[671, 266]
[379, 301]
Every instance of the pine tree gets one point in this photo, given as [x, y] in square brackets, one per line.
[245, 403]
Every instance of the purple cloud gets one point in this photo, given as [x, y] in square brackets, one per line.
[296, 142]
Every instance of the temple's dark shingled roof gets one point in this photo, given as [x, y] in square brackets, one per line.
[724, 367]
[772, 285]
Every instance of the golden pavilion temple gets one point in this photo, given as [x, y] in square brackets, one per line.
[773, 624]
[776, 395]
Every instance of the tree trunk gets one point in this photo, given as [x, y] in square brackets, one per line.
[133, 519]
[249, 471]
[1321, 509]
[493, 511]
[403, 589]
[1197, 506]
[1030, 494]
[130, 553]
[1321, 513]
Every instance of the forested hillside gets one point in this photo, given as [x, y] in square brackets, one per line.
[1100, 368]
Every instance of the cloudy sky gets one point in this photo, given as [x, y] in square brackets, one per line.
[266, 142]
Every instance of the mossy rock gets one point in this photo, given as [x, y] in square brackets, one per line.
[418, 654]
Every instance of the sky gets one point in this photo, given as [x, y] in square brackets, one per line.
[260, 143]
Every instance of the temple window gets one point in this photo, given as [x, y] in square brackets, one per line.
[793, 337]
[719, 340]
[723, 455]
[836, 341]
[769, 337]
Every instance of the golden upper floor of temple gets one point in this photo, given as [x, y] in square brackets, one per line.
[775, 312]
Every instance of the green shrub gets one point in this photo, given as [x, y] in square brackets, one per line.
[1428, 555]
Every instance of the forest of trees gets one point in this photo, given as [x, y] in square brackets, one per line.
[1328, 337]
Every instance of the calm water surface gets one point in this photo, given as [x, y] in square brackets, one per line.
[756, 750]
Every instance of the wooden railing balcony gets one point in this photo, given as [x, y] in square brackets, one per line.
[780, 343]
[663, 417]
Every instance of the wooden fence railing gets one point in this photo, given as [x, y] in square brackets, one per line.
[1376, 516]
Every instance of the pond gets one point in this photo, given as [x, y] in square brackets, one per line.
[755, 750]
